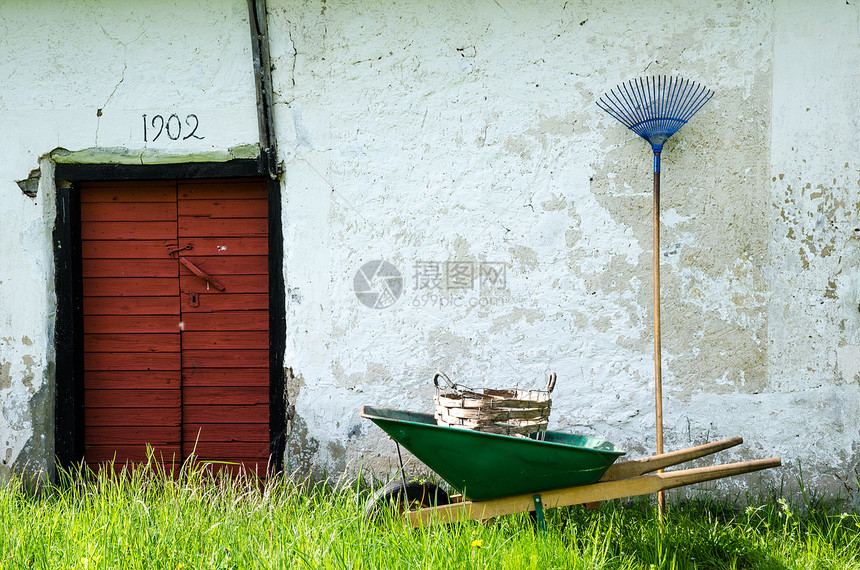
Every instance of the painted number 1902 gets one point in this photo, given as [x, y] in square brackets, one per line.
[171, 127]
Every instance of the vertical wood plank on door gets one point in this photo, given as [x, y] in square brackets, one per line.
[132, 359]
[225, 333]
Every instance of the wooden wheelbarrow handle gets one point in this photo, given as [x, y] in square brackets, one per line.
[638, 467]
[603, 491]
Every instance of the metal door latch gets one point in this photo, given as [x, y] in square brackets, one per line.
[173, 249]
[202, 274]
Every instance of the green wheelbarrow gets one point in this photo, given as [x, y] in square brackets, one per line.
[500, 474]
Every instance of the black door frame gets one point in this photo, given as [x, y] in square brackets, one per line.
[68, 331]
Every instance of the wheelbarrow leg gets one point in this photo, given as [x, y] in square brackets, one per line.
[539, 516]
[402, 469]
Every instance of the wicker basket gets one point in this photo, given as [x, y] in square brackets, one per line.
[506, 412]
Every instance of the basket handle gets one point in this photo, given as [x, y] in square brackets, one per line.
[550, 384]
[440, 374]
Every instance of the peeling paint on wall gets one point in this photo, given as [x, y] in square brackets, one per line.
[26, 419]
[30, 185]
[522, 168]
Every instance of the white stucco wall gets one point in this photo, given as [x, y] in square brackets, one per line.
[468, 132]
[80, 76]
[419, 132]
[814, 214]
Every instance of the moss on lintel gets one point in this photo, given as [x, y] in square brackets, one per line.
[117, 155]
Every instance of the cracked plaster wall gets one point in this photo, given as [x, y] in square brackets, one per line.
[437, 131]
[467, 131]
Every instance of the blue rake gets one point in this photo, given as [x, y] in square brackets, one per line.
[655, 108]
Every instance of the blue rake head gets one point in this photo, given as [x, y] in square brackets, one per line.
[655, 107]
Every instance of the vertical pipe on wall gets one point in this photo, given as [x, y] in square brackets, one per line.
[263, 82]
[278, 421]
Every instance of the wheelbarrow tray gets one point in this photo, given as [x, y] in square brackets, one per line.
[487, 466]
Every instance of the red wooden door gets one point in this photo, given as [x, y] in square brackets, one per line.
[225, 334]
[132, 347]
[175, 285]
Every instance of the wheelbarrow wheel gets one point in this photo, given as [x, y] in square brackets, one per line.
[399, 498]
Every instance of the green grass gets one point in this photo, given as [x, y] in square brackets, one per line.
[144, 520]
